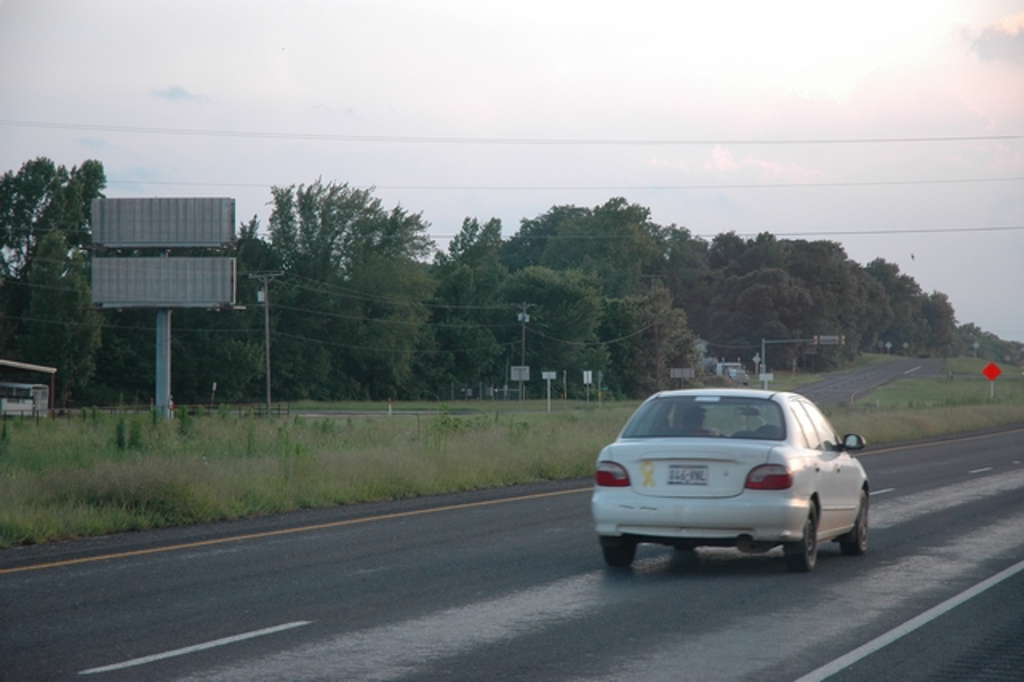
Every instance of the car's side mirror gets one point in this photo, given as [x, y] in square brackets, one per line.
[853, 442]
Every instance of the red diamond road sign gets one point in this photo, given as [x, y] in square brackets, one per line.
[992, 371]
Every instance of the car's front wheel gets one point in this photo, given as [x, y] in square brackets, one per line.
[801, 556]
[855, 542]
[618, 552]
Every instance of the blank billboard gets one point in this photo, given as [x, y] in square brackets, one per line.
[163, 282]
[163, 223]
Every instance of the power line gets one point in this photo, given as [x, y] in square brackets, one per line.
[591, 344]
[813, 233]
[530, 141]
[334, 289]
[399, 351]
[598, 188]
[416, 324]
[924, 230]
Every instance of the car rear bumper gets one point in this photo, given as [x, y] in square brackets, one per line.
[761, 516]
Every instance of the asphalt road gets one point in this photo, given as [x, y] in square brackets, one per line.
[510, 585]
[847, 387]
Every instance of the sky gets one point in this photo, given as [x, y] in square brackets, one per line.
[893, 128]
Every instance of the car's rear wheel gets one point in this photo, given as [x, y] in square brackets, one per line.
[618, 552]
[855, 542]
[801, 556]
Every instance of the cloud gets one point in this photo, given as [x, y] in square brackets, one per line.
[95, 143]
[330, 112]
[723, 164]
[1002, 40]
[176, 93]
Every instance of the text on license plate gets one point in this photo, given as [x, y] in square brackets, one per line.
[684, 474]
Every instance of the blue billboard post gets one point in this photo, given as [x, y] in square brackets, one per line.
[163, 364]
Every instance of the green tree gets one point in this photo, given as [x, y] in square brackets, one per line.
[938, 312]
[846, 301]
[726, 253]
[476, 245]
[224, 347]
[126, 360]
[764, 304]
[349, 311]
[925, 322]
[616, 242]
[467, 309]
[40, 199]
[564, 317]
[527, 247]
[645, 336]
[990, 346]
[60, 329]
[733, 255]
[904, 297]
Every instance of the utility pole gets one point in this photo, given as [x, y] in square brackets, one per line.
[523, 319]
[265, 278]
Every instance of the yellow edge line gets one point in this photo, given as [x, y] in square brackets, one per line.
[384, 517]
[287, 531]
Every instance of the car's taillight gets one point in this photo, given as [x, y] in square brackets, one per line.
[611, 475]
[770, 477]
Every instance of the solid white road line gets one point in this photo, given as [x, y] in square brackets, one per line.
[896, 633]
[195, 648]
[980, 471]
[882, 491]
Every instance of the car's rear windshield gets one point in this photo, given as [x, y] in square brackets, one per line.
[707, 416]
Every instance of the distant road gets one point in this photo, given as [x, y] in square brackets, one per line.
[847, 387]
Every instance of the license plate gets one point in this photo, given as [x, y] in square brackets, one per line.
[682, 474]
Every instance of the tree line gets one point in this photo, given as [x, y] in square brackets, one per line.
[364, 305]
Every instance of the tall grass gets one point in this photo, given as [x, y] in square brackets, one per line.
[104, 473]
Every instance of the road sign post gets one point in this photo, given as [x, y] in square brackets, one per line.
[991, 372]
[548, 376]
[520, 373]
[681, 373]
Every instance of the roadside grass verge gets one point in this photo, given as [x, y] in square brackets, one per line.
[62, 479]
[106, 473]
[918, 408]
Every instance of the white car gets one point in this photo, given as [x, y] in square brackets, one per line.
[737, 468]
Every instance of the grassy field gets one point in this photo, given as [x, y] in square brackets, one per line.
[918, 408]
[104, 473]
[112, 473]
